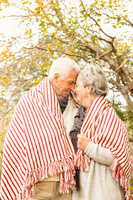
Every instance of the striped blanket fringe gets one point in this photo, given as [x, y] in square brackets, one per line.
[82, 161]
[59, 167]
[119, 176]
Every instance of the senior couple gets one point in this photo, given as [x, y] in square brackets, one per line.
[64, 132]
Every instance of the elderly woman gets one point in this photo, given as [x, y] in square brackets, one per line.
[103, 155]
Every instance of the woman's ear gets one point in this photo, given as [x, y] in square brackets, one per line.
[91, 89]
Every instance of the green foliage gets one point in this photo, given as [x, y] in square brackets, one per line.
[131, 187]
[125, 115]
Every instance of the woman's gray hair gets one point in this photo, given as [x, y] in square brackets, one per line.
[63, 66]
[93, 75]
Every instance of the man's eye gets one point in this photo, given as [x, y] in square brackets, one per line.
[71, 82]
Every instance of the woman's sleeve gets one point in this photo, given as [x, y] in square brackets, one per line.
[99, 154]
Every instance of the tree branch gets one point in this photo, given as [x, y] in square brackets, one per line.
[107, 35]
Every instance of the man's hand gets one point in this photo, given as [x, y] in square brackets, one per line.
[83, 141]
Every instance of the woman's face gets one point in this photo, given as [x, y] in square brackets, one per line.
[81, 92]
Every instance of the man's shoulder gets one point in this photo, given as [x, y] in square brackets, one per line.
[24, 99]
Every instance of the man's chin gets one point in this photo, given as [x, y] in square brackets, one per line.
[63, 96]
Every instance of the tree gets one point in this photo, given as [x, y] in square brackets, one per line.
[81, 34]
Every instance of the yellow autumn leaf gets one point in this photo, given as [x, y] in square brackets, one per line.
[28, 33]
[5, 80]
[37, 81]
[5, 53]
[3, 1]
[40, 3]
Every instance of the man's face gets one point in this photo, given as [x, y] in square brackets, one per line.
[64, 86]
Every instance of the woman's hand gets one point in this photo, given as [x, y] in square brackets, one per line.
[82, 141]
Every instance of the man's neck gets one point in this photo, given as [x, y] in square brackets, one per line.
[63, 102]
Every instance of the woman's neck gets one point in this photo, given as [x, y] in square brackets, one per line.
[89, 101]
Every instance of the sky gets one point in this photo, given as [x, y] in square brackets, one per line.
[11, 26]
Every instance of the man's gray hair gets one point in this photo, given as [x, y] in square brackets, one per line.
[63, 66]
[93, 75]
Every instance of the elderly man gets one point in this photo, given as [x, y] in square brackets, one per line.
[37, 146]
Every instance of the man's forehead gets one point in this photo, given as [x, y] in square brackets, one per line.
[73, 74]
[72, 79]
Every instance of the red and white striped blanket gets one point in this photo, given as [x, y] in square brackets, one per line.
[36, 145]
[103, 127]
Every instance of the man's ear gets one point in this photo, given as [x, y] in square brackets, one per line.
[55, 79]
[56, 76]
